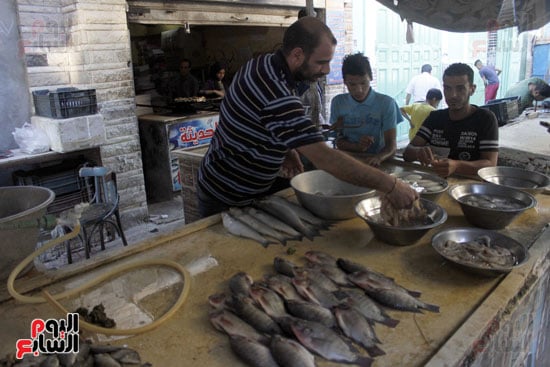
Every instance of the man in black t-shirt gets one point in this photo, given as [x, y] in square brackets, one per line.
[460, 139]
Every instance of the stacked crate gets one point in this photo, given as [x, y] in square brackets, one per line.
[189, 163]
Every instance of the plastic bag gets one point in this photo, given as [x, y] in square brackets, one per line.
[31, 139]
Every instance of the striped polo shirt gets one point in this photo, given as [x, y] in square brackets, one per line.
[261, 118]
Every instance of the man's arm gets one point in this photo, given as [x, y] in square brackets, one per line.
[447, 167]
[349, 169]
[390, 147]
[418, 150]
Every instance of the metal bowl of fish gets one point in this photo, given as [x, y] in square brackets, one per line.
[428, 185]
[516, 178]
[407, 232]
[327, 196]
[490, 206]
[480, 251]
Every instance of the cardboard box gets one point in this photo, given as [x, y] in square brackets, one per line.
[67, 135]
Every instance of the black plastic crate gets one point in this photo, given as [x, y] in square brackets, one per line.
[65, 102]
[500, 111]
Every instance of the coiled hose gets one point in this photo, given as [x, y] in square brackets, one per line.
[53, 299]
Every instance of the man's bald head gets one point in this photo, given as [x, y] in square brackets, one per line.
[306, 33]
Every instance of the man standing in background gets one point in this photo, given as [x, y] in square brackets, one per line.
[489, 74]
[420, 85]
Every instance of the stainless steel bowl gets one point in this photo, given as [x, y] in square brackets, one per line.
[485, 217]
[422, 189]
[463, 235]
[516, 178]
[369, 210]
[327, 196]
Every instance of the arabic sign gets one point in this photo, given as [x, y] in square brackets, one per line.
[194, 132]
[50, 337]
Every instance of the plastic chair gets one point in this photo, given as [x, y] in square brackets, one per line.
[100, 184]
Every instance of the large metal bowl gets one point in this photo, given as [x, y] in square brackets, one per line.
[463, 235]
[516, 178]
[327, 196]
[417, 178]
[369, 210]
[486, 217]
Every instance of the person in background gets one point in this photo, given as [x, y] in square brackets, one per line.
[529, 90]
[185, 85]
[365, 119]
[263, 129]
[214, 86]
[460, 139]
[420, 84]
[417, 112]
[489, 74]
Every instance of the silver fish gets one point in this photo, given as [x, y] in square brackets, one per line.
[400, 300]
[232, 325]
[376, 280]
[357, 328]
[127, 356]
[270, 301]
[368, 308]
[238, 228]
[288, 216]
[315, 275]
[311, 311]
[253, 353]
[283, 266]
[283, 286]
[218, 301]
[320, 258]
[314, 293]
[258, 225]
[326, 343]
[244, 308]
[274, 222]
[302, 212]
[290, 353]
[240, 283]
[51, 361]
[105, 360]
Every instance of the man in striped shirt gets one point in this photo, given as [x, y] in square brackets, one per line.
[468, 134]
[263, 128]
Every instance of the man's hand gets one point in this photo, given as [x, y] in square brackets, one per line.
[365, 141]
[374, 161]
[424, 155]
[444, 167]
[402, 195]
[292, 165]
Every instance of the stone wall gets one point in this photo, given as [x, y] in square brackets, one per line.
[86, 44]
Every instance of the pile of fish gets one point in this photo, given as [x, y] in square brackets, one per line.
[479, 252]
[327, 308]
[492, 202]
[89, 355]
[422, 183]
[273, 219]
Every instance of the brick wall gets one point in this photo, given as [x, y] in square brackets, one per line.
[86, 44]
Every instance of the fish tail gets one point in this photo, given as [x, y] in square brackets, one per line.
[375, 351]
[429, 307]
[363, 361]
[415, 294]
[390, 322]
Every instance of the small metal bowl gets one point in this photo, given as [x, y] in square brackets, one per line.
[369, 210]
[425, 192]
[463, 235]
[327, 196]
[516, 178]
[497, 218]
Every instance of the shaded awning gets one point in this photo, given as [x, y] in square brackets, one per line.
[473, 15]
